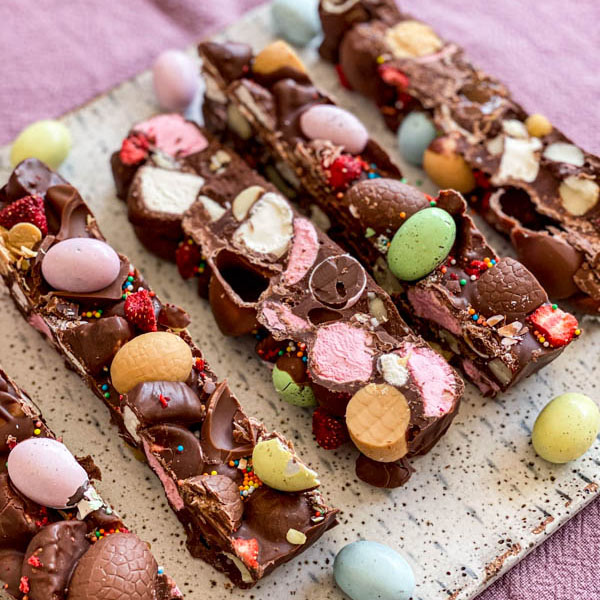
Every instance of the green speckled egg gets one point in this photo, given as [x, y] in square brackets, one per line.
[47, 140]
[421, 244]
[290, 391]
[566, 428]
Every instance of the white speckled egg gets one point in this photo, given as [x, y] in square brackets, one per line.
[175, 78]
[368, 570]
[328, 122]
[44, 471]
[80, 265]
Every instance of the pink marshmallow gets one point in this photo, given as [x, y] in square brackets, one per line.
[342, 353]
[433, 377]
[173, 134]
[304, 251]
[282, 318]
[427, 306]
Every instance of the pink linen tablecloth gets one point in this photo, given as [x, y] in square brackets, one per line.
[56, 55]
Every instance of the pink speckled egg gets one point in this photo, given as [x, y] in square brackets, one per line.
[175, 80]
[44, 471]
[328, 122]
[80, 265]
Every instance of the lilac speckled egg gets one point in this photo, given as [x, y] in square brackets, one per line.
[328, 122]
[175, 80]
[80, 265]
[46, 472]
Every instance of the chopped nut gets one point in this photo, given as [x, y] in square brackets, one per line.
[565, 153]
[495, 320]
[515, 128]
[511, 330]
[519, 160]
[578, 195]
[244, 201]
[411, 38]
[218, 160]
[24, 235]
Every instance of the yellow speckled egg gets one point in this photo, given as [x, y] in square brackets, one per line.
[446, 167]
[47, 140]
[566, 428]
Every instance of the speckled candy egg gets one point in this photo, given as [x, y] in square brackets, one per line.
[421, 244]
[566, 428]
[368, 570]
[47, 140]
[80, 265]
[296, 21]
[44, 471]
[415, 133]
[175, 79]
[328, 122]
[290, 391]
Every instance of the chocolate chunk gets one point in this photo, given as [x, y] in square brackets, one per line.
[232, 59]
[51, 558]
[10, 570]
[508, 289]
[156, 402]
[173, 317]
[553, 261]
[216, 496]
[291, 99]
[271, 513]
[226, 432]
[383, 475]
[66, 208]
[338, 281]
[118, 567]
[19, 517]
[13, 420]
[31, 177]
[178, 447]
[380, 202]
[96, 343]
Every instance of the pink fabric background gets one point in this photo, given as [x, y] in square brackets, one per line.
[55, 55]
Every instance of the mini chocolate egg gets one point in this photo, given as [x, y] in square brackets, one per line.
[278, 467]
[296, 22]
[446, 167]
[421, 244]
[328, 122]
[290, 391]
[415, 134]
[44, 471]
[175, 80]
[566, 428]
[80, 265]
[366, 570]
[47, 140]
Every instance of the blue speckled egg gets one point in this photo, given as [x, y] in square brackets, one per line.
[371, 571]
[415, 133]
[297, 21]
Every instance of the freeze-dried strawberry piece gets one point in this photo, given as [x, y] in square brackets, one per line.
[344, 170]
[247, 550]
[331, 432]
[187, 257]
[395, 77]
[139, 310]
[557, 326]
[29, 209]
[134, 149]
[342, 77]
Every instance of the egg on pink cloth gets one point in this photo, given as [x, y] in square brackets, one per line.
[44, 471]
[175, 78]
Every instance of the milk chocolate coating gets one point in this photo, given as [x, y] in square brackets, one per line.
[96, 343]
[117, 567]
[58, 547]
[473, 108]
[508, 289]
[179, 403]
[383, 475]
[13, 420]
[441, 306]
[233, 58]
[201, 428]
[10, 570]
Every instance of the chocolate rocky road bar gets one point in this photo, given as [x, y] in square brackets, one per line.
[58, 539]
[335, 337]
[136, 355]
[490, 315]
[525, 177]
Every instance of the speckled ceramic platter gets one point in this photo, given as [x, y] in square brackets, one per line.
[479, 502]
